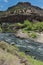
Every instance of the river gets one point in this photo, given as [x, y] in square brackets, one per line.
[28, 46]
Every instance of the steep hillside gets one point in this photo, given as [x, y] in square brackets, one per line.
[22, 11]
[9, 55]
[8, 59]
[26, 8]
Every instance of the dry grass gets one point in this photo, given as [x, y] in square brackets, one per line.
[8, 59]
[7, 54]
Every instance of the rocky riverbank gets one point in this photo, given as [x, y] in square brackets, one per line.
[20, 34]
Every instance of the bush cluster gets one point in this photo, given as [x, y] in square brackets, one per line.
[29, 26]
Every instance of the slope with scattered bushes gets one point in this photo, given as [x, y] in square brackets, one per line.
[10, 55]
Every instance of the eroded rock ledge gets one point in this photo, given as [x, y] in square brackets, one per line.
[21, 18]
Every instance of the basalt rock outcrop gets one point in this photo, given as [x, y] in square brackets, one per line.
[21, 12]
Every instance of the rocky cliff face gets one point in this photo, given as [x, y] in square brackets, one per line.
[21, 12]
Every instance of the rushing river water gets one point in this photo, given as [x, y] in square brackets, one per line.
[26, 45]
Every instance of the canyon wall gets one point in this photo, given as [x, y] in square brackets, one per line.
[21, 18]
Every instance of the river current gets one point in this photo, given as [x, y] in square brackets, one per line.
[26, 45]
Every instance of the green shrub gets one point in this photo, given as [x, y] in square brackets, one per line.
[37, 26]
[33, 35]
[27, 23]
[0, 29]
